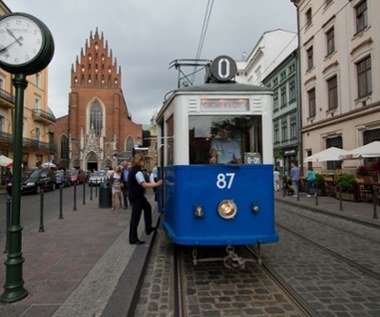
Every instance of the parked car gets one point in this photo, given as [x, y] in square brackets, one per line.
[77, 177]
[97, 178]
[62, 178]
[37, 180]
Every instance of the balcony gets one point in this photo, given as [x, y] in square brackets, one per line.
[43, 116]
[7, 101]
[35, 144]
[6, 139]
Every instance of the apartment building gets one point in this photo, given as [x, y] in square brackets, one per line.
[339, 76]
[284, 81]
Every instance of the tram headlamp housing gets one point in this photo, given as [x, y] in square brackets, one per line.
[227, 209]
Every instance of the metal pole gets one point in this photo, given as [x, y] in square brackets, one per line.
[14, 284]
[340, 199]
[84, 193]
[90, 192]
[41, 229]
[316, 193]
[7, 222]
[75, 197]
[60, 202]
[374, 202]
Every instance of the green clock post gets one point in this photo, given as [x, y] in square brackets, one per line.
[26, 48]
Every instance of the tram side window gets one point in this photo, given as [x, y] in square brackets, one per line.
[242, 144]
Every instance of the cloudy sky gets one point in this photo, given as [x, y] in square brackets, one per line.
[146, 35]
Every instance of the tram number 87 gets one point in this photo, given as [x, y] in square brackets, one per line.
[224, 181]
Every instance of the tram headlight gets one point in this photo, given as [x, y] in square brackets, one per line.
[227, 209]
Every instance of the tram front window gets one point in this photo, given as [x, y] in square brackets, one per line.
[225, 139]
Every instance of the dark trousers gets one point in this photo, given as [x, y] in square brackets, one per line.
[125, 194]
[137, 207]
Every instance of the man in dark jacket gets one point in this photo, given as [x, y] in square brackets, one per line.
[137, 185]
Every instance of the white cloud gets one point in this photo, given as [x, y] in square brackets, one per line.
[146, 35]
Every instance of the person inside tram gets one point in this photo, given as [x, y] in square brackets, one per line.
[224, 149]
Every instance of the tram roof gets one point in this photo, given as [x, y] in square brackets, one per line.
[229, 87]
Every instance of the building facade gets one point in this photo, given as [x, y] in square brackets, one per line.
[340, 76]
[284, 80]
[270, 50]
[38, 141]
[98, 125]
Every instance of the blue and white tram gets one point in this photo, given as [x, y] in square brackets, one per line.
[217, 204]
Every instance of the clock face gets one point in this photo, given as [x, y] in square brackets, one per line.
[21, 40]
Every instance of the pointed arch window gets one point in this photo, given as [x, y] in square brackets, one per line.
[64, 147]
[96, 118]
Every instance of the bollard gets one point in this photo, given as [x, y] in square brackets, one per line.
[96, 189]
[316, 193]
[84, 193]
[90, 192]
[340, 199]
[7, 223]
[41, 229]
[374, 194]
[60, 202]
[75, 197]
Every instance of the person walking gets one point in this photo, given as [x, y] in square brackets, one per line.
[137, 186]
[310, 180]
[295, 178]
[124, 182]
[276, 179]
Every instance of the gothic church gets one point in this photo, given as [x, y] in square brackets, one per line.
[98, 131]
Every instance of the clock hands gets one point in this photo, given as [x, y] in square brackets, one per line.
[18, 40]
[4, 48]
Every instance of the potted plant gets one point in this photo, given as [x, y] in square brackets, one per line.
[346, 184]
[320, 184]
[362, 170]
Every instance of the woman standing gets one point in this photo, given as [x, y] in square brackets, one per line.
[137, 185]
[115, 185]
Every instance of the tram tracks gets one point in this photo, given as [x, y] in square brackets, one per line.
[319, 245]
[298, 277]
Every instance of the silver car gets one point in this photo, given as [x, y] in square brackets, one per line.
[97, 178]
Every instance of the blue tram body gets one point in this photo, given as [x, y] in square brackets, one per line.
[204, 201]
[193, 186]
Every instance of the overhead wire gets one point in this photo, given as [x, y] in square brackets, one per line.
[206, 20]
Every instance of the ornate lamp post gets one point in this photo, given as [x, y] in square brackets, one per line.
[27, 47]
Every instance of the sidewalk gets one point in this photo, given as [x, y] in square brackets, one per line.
[73, 268]
[83, 265]
[360, 211]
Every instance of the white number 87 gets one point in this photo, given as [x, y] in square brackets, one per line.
[225, 180]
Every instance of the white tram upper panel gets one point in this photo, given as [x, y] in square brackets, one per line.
[190, 117]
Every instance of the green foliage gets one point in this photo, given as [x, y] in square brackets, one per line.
[346, 183]
[319, 179]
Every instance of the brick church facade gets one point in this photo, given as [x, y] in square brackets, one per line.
[98, 131]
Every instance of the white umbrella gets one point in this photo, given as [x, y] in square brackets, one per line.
[48, 165]
[330, 154]
[5, 161]
[369, 150]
